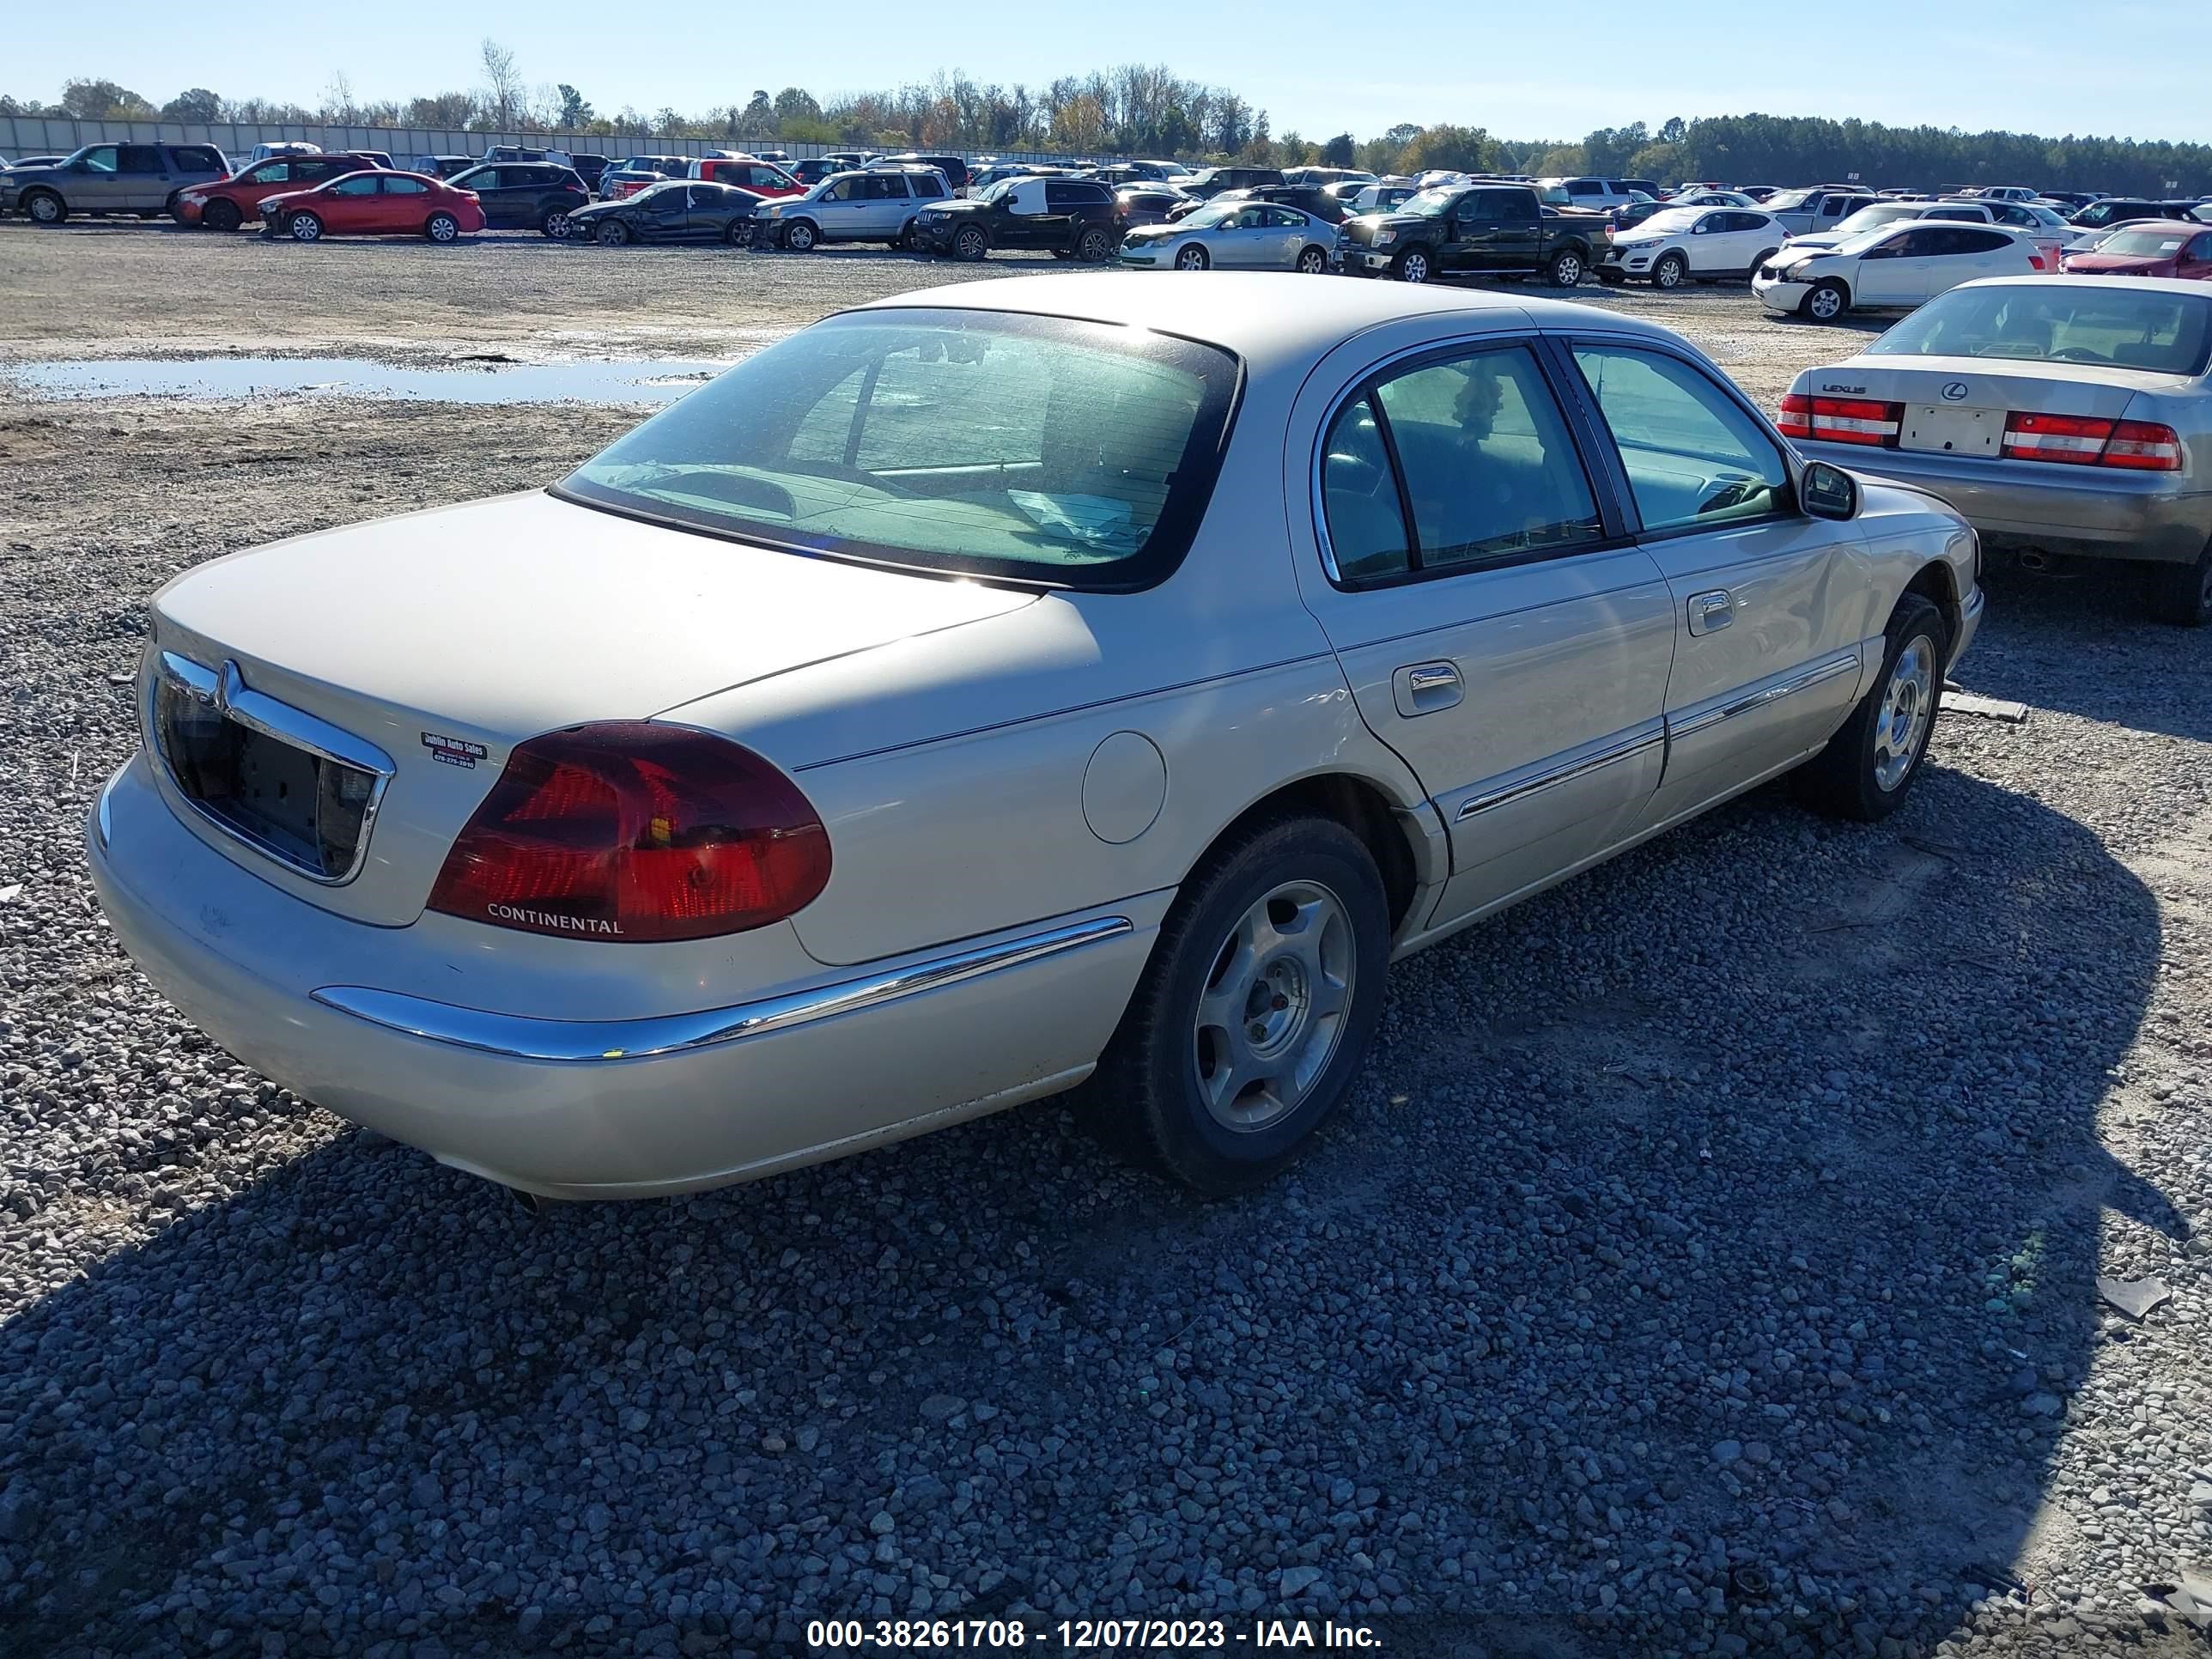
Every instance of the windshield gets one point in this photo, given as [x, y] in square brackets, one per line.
[997, 187]
[1213, 214]
[1874, 218]
[1863, 241]
[1788, 200]
[996, 444]
[2074, 323]
[1429, 203]
[2144, 244]
[1672, 219]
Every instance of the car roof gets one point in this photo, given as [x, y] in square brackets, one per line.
[1259, 314]
[2190, 225]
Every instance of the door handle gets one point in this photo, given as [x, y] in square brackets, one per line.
[1711, 612]
[1426, 687]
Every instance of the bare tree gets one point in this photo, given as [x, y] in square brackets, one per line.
[503, 90]
[337, 100]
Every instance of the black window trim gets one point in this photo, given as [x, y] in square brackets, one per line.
[1598, 437]
[1614, 524]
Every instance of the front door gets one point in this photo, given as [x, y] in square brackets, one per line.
[1766, 633]
[350, 205]
[94, 185]
[1895, 272]
[1497, 631]
[666, 214]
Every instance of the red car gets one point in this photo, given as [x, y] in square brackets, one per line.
[229, 202]
[761, 178]
[2149, 247]
[373, 204]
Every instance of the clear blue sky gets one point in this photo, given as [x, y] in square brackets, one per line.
[2137, 69]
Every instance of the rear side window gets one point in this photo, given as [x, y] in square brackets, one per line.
[197, 158]
[992, 444]
[1695, 459]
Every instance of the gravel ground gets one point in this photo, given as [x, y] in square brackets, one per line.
[1708, 1262]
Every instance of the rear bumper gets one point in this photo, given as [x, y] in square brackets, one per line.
[787, 1075]
[2097, 513]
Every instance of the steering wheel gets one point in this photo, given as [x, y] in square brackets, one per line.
[2075, 355]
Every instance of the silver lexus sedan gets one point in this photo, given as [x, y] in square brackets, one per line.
[990, 688]
[2068, 418]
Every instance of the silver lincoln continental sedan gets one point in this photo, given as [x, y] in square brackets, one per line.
[987, 689]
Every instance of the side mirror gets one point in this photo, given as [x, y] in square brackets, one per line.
[1828, 492]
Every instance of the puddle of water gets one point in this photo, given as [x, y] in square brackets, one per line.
[656, 381]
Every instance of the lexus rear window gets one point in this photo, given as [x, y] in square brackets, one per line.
[1036, 448]
[2080, 322]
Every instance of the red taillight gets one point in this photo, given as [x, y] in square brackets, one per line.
[636, 832]
[1841, 420]
[2035, 262]
[2090, 441]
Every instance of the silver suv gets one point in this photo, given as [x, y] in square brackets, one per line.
[878, 205]
[136, 179]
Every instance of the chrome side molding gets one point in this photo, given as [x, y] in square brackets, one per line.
[1845, 662]
[517, 1037]
[1634, 742]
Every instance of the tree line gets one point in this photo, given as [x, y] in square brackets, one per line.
[1140, 109]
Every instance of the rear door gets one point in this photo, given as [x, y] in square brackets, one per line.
[1497, 627]
[886, 206]
[142, 177]
[403, 203]
[1767, 602]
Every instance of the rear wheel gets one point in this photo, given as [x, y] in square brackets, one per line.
[1566, 268]
[612, 233]
[442, 228]
[555, 225]
[1828, 300]
[1257, 1007]
[1094, 245]
[220, 214]
[800, 236]
[1669, 272]
[2182, 593]
[1192, 257]
[1412, 265]
[1868, 766]
[738, 233]
[304, 227]
[1313, 261]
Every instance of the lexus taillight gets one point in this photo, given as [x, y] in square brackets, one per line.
[635, 832]
[1840, 419]
[2091, 441]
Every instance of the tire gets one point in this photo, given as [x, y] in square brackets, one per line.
[1313, 261]
[1868, 768]
[1759, 261]
[612, 233]
[554, 227]
[969, 244]
[222, 215]
[1285, 931]
[43, 207]
[800, 235]
[1192, 257]
[441, 228]
[304, 227]
[2182, 593]
[910, 238]
[1669, 272]
[1566, 268]
[1827, 300]
[1412, 265]
[1094, 246]
[739, 234]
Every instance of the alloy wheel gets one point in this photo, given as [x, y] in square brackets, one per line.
[1273, 1008]
[1907, 701]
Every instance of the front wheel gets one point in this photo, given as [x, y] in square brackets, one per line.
[1827, 302]
[1669, 272]
[1192, 258]
[970, 244]
[2182, 593]
[304, 227]
[612, 233]
[1095, 245]
[800, 236]
[1257, 1007]
[1412, 265]
[442, 228]
[44, 208]
[1313, 261]
[1868, 766]
[1567, 269]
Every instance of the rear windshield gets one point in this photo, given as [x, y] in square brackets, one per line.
[1035, 448]
[2144, 244]
[2078, 322]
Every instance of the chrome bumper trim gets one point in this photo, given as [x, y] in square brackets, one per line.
[517, 1036]
[1846, 663]
[1634, 744]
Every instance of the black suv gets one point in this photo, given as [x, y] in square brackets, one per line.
[954, 169]
[1212, 182]
[1075, 218]
[526, 194]
[1312, 198]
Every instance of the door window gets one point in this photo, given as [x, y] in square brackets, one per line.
[100, 158]
[1485, 470]
[886, 188]
[1282, 218]
[398, 186]
[2200, 249]
[1695, 459]
[360, 185]
[846, 189]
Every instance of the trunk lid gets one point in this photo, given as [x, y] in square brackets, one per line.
[444, 638]
[1989, 383]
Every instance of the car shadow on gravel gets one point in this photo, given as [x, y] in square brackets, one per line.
[1709, 1254]
[2152, 675]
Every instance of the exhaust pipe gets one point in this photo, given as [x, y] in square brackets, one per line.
[532, 1205]
[2032, 560]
